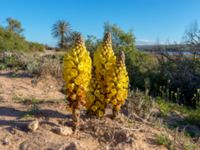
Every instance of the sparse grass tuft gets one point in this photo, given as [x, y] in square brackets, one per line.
[192, 116]
[140, 104]
[33, 102]
[189, 146]
[33, 109]
[46, 65]
[162, 139]
[18, 98]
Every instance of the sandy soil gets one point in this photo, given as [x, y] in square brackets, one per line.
[16, 93]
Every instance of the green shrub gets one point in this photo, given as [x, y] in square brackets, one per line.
[11, 41]
[45, 65]
[164, 140]
[192, 116]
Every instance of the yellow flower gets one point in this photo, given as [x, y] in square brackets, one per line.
[73, 97]
[94, 108]
[100, 113]
[73, 73]
[97, 93]
[117, 107]
[101, 97]
[113, 91]
[97, 104]
[107, 101]
[71, 86]
[120, 96]
[114, 101]
[92, 97]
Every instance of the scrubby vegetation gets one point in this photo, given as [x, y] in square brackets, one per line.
[11, 38]
[164, 140]
[158, 74]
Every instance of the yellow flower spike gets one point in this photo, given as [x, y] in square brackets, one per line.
[104, 61]
[77, 74]
[120, 79]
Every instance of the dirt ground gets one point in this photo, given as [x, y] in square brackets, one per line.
[17, 93]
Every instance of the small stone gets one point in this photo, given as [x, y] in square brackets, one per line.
[121, 136]
[5, 141]
[70, 146]
[63, 131]
[33, 126]
[13, 131]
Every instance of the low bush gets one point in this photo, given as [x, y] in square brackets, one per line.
[164, 140]
[13, 60]
[34, 65]
[45, 65]
[140, 104]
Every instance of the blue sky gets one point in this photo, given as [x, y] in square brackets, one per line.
[149, 19]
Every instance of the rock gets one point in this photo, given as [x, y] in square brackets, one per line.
[63, 131]
[121, 136]
[5, 141]
[33, 126]
[26, 145]
[13, 131]
[70, 146]
[124, 146]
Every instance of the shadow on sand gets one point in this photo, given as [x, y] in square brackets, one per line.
[6, 112]
[13, 74]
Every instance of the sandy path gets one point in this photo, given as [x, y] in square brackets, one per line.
[21, 86]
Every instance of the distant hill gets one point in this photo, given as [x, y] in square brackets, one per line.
[172, 47]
